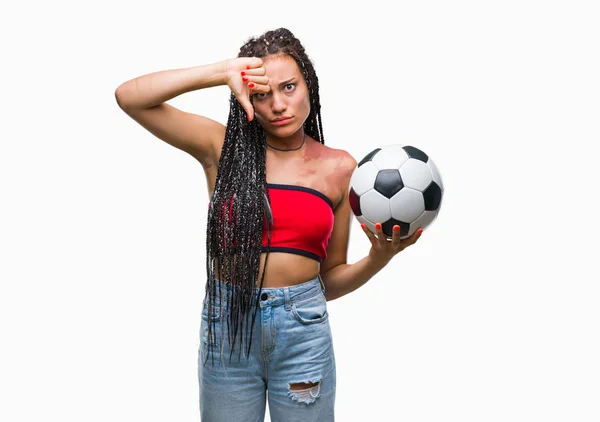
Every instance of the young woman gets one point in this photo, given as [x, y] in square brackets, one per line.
[277, 232]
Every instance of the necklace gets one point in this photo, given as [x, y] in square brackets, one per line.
[285, 150]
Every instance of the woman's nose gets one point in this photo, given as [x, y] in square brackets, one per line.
[278, 105]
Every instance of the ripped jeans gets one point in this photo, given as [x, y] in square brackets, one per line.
[291, 357]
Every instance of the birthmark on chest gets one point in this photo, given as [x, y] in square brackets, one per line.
[307, 172]
[316, 155]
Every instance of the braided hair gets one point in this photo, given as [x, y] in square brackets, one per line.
[240, 204]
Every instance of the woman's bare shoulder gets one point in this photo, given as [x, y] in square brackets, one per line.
[339, 166]
[341, 159]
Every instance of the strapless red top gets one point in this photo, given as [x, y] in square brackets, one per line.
[302, 221]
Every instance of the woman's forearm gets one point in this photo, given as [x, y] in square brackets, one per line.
[156, 88]
[346, 278]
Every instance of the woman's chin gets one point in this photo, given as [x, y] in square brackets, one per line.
[284, 131]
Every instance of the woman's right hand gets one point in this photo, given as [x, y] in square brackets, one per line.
[246, 76]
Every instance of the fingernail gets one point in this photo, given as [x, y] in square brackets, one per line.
[362, 226]
[244, 78]
[247, 67]
[249, 118]
[251, 85]
[243, 73]
[396, 228]
[377, 226]
[419, 231]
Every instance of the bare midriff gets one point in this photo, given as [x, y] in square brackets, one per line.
[285, 269]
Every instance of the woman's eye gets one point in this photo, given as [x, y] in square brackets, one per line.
[290, 85]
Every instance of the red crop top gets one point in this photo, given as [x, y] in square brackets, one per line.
[302, 221]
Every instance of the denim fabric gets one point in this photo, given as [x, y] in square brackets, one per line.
[291, 343]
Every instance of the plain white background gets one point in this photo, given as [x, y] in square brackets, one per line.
[492, 316]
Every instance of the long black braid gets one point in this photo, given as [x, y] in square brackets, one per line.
[241, 203]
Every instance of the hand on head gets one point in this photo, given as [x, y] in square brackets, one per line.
[246, 76]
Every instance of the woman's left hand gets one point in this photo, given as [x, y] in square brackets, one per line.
[382, 249]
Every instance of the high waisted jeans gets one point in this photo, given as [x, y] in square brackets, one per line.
[291, 344]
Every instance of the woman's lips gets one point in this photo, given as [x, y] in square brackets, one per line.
[282, 122]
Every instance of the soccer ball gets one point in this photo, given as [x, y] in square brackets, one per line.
[396, 184]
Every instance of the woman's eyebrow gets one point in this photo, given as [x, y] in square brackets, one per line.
[287, 81]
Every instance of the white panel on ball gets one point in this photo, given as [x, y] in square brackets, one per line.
[415, 174]
[390, 157]
[375, 207]
[370, 225]
[437, 178]
[363, 178]
[407, 205]
[423, 221]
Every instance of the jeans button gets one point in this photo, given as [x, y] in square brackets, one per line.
[264, 296]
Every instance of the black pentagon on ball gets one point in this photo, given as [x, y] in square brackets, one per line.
[354, 202]
[369, 156]
[432, 196]
[388, 182]
[388, 227]
[415, 153]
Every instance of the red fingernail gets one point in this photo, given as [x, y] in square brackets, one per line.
[396, 228]
[362, 226]
[243, 73]
[248, 118]
[247, 67]
[251, 85]
[419, 231]
[244, 78]
[377, 226]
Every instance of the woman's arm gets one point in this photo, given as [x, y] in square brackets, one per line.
[341, 278]
[144, 100]
[156, 88]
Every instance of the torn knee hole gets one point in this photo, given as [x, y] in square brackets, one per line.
[303, 386]
[305, 392]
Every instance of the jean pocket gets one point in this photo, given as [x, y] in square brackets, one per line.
[211, 312]
[312, 310]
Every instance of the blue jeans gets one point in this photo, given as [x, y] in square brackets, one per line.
[291, 344]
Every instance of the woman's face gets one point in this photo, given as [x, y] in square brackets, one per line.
[288, 97]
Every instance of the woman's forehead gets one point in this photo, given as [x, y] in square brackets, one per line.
[281, 67]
